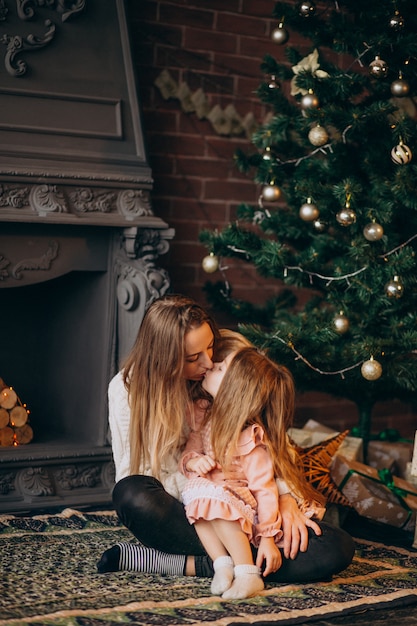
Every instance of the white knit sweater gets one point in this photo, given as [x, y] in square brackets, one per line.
[119, 420]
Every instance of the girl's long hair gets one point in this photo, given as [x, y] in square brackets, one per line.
[159, 395]
[256, 390]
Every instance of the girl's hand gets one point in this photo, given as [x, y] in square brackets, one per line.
[294, 526]
[269, 554]
[201, 465]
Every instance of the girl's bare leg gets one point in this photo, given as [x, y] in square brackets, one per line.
[248, 581]
[222, 561]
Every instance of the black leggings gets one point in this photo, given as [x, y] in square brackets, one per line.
[158, 520]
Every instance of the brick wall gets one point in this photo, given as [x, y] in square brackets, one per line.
[213, 48]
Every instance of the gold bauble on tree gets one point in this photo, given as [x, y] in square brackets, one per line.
[271, 193]
[210, 263]
[371, 369]
[400, 87]
[378, 68]
[394, 288]
[346, 216]
[341, 323]
[373, 231]
[280, 34]
[308, 211]
[318, 136]
[310, 100]
[401, 154]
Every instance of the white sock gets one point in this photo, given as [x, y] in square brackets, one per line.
[248, 582]
[223, 575]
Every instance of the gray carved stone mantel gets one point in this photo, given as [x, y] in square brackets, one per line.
[79, 240]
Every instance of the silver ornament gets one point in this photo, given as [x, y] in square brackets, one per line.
[307, 8]
[280, 34]
[373, 231]
[273, 83]
[378, 68]
[397, 21]
[319, 226]
[310, 101]
[400, 88]
[267, 155]
[210, 263]
[401, 154]
[346, 216]
[341, 323]
[308, 211]
[271, 193]
[371, 369]
[394, 288]
[318, 136]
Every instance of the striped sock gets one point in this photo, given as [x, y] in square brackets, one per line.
[135, 557]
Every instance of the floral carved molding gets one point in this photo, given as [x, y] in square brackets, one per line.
[18, 43]
[43, 200]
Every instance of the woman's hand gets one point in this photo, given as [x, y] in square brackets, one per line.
[269, 554]
[294, 526]
[201, 465]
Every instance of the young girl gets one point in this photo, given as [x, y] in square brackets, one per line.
[232, 458]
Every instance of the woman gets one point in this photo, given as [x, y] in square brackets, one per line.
[152, 407]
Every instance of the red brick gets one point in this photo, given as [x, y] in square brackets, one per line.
[169, 14]
[260, 8]
[240, 24]
[196, 39]
[176, 186]
[230, 190]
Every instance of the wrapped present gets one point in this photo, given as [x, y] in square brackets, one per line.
[390, 451]
[314, 433]
[376, 494]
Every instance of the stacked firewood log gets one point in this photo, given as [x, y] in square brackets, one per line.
[15, 429]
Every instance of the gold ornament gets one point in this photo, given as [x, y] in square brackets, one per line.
[280, 34]
[308, 211]
[397, 21]
[400, 87]
[346, 216]
[341, 323]
[394, 288]
[210, 263]
[401, 154]
[310, 100]
[373, 231]
[273, 83]
[371, 370]
[271, 193]
[378, 68]
[319, 225]
[307, 8]
[318, 136]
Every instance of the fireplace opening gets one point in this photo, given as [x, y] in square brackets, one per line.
[56, 352]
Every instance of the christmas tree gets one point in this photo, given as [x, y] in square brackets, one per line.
[337, 208]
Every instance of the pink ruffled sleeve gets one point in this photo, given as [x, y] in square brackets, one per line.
[194, 446]
[257, 465]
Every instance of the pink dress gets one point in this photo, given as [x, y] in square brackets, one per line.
[246, 492]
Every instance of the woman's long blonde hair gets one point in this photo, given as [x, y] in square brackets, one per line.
[159, 395]
[256, 390]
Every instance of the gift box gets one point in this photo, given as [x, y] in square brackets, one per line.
[393, 455]
[376, 494]
[313, 433]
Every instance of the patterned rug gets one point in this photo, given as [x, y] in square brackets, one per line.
[49, 576]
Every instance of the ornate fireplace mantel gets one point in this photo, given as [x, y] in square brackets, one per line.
[79, 241]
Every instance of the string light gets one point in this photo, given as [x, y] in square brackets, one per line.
[340, 372]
